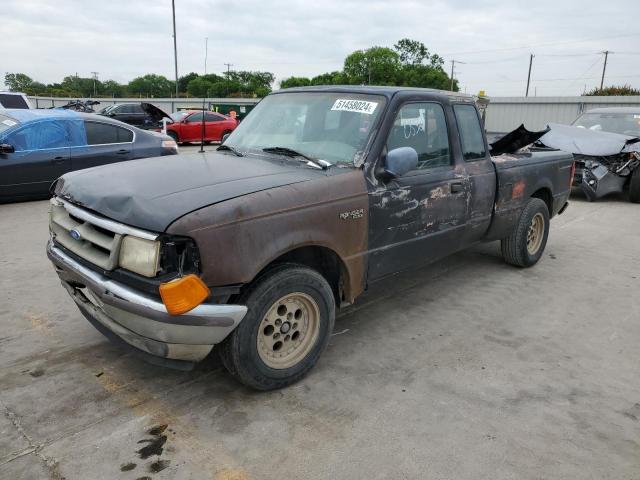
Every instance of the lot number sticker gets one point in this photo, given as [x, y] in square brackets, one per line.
[11, 123]
[358, 106]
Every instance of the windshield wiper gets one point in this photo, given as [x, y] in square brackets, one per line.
[230, 149]
[289, 152]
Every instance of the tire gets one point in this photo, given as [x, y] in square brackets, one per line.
[634, 186]
[524, 247]
[278, 298]
[173, 135]
[223, 134]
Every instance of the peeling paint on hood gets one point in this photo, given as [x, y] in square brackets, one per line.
[152, 193]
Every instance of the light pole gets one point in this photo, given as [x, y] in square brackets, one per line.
[175, 43]
[206, 47]
[95, 77]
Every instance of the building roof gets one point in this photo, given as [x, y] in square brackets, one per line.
[623, 110]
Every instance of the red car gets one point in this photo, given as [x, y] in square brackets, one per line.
[187, 126]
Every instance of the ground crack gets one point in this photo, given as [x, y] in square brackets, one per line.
[50, 463]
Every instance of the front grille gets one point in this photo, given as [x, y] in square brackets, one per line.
[93, 243]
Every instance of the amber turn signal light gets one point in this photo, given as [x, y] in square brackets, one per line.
[183, 294]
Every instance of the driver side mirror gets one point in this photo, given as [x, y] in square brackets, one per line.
[400, 161]
[6, 148]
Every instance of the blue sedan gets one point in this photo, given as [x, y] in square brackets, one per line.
[38, 146]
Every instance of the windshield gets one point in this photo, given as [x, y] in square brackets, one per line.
[6, 123]
[624, 123]
[178, 116]
[107, 109]
[335, 127]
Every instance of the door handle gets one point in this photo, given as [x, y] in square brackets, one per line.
[58, 160]
[122, 152]
[456, 187]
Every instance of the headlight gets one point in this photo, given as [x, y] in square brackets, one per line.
[140, 256]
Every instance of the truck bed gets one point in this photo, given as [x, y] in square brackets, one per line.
[523, 175]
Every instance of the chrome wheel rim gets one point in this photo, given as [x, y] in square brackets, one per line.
[288, 331]
[535, 233]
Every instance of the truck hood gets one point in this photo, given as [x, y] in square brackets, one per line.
[152, 193]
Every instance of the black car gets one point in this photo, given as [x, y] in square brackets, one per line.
[37, 146]
[143, 115]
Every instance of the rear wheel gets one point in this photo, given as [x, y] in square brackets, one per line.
[634, 186]
[524, 247]
[291, 313]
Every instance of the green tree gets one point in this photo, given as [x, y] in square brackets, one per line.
[184, 80]
[17, 82]
[151, 85]
[111, 88]
[612, 91]
[374, 66]
[295, 82]
[411, 52]
[330, 78]
[200, 87]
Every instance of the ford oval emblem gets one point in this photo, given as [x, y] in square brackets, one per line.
[75, 234]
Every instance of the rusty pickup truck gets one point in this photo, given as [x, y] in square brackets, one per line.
[319, 193]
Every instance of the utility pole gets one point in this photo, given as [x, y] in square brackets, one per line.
[175, 43]
[453, 63]
[229, 65]
[604, 67]
[529, 74]
[206, 46]
[95, 77]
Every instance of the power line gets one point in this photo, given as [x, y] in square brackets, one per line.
[524, 47]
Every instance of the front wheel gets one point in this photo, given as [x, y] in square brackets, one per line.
[524, 247]
[291, 313]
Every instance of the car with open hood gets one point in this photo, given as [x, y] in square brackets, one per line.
[143, 115]
[319, 193]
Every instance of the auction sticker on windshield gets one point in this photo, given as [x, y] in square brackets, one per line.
[358, 106]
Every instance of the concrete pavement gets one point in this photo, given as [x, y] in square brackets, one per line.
[467, 369]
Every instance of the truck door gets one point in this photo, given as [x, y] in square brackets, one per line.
[421, 216]
[480, 171]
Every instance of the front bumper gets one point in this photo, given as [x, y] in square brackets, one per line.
[142, 322]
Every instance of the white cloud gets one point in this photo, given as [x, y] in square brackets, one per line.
[123, 39]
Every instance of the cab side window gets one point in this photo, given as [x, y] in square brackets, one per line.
[422, 126]
[470, 129]
[39, 136]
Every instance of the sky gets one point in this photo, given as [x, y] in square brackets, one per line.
[123, 39]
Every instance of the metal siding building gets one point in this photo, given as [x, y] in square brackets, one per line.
[506, 113]
[503, 113]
